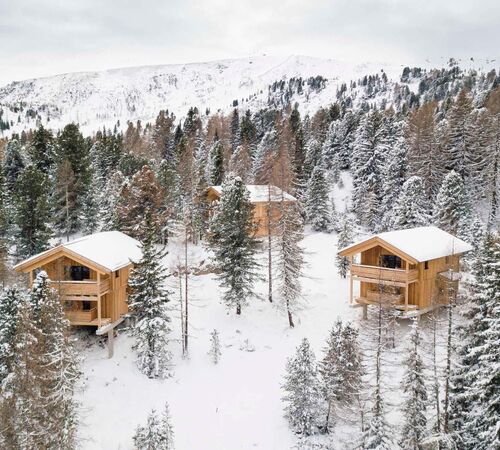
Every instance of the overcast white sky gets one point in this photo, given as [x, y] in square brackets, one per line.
[45, 37]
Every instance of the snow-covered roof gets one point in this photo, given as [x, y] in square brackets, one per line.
[259, 193]
[421, 243]
[109, 249]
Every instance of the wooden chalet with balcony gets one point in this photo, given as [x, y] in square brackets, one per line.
[413, 270]
[90, 274]
[262, 196]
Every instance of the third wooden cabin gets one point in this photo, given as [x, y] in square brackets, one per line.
[412, 269]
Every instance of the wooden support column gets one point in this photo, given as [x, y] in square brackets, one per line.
[99, 314]
[365, 312]
[111, 342]
[406, 287]
[350, 280]
[31, 279]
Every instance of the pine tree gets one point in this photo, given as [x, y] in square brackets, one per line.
[157, 434]
[9, 303]
[66, 211]
[425, 158]
[367, 161]
[140, 199]
[13, 164]
[289, 257]
[317, 204]
[41, 150]
[411, 208]
[232, 241]
[345, 238]
[415, 405]
[149, 301]
[394, 175]
[377, 435]
[215, 351]
[451, 205]
[301, 388]
[340, 370]
[61, 366]
[474, 396]
[23, 401]
[217, 163]
[31, 214]
[72, 150]
[108, 216]
[459, 149]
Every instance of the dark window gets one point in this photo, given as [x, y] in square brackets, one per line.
[391, 261]
[80, 273]
[117, 274]
[426, 265]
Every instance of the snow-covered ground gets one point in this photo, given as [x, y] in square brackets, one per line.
[235, 404]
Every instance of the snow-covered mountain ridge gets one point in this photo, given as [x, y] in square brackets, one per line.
[94, 99]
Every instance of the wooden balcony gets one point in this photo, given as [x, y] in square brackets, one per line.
[383, 275]
[74, 293]
[80, 290]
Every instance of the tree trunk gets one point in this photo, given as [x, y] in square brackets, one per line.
[290, 319]
[269, 244]
[186, 304]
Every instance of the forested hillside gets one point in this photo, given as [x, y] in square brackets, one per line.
[421, 148]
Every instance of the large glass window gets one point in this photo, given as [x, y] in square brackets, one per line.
[79, 273]
[391, 261]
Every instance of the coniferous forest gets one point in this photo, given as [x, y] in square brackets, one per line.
[379, 157]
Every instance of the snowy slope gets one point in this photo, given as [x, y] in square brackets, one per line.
[94, 99]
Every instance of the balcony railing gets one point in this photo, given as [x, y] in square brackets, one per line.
[384, 275]
[75, 292]
[80, 290]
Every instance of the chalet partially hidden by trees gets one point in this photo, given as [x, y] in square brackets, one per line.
[91, 275]
[414, 269]
[265, 199]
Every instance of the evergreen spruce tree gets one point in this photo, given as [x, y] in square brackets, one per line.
[411, 208]
[301, 386]
[215, 351]
[313, 158]
[23, 405]
[217, 163]
[108, 216]
[289, 257]
[149, 301]
[157, 434]
[317, 204]
[31, 214]
[367, 161]
[232, 241]
[9, 304]
[64, 200]
[414, 409]
[474, 396]
[377, 435]
[451, 205]
[340, 371]
[90, 212]
[394, 175]
[41, 150]
[13, 164]
[60, 365]
[73, 175]
[345, 238]
[459, 149]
